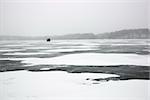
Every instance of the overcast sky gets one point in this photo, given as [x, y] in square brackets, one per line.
[57, 17]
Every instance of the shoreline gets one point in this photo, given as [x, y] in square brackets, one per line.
[125, 72]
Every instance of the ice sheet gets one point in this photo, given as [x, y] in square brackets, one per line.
[93, 59]
[19, 53]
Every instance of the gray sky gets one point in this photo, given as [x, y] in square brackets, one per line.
[56, 17]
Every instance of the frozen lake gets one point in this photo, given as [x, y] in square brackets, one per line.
[126, 58]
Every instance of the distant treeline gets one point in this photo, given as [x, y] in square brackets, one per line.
[122, 34]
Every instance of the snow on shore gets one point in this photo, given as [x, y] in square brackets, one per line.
[59, 85]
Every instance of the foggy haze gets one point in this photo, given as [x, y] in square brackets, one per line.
[57, 17]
